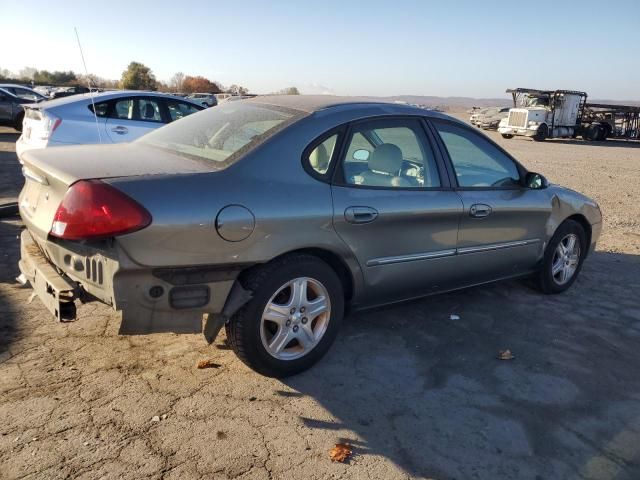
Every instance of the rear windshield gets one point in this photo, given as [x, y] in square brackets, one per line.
[223, 133]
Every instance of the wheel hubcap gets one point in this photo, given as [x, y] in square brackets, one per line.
[565, 259]
[295, 318]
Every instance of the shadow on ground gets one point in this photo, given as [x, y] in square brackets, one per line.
[9, 304]
[429, 393]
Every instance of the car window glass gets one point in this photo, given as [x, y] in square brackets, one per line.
[101, 109]
[395, 154]
[178, 110]
[25, 94]
[320, 157]
[476, 161]
[149, 110]
[246, 133]
[123, 109]
[358, 142]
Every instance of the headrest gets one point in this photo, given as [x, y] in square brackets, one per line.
[386, 158]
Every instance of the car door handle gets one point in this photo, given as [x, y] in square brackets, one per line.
[360, 214]
[120, 130]
[479, 210]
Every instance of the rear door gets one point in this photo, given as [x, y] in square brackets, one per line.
[6, 108]
[394, 208]
[131, 117]
[502, 229]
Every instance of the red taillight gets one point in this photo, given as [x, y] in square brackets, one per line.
[56, 124]
[93, 209]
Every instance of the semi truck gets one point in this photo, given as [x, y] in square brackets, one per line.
[542, 114]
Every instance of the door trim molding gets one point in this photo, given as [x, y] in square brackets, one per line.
[497, 246]
[410, 258]
[374, 262]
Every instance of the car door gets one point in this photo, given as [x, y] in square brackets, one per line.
[131, 117]
[502, 230]
[6, 108]
[395, 210]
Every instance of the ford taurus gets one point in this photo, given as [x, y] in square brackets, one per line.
[270, 216]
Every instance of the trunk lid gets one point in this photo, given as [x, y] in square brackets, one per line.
[49, 173]
[35, 127]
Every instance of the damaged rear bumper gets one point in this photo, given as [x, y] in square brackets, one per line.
[151, 300]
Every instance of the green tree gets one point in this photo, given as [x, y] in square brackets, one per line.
[138, 77]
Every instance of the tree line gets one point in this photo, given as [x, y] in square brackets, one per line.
[137, 76]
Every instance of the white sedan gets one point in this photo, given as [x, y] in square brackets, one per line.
[120, 117]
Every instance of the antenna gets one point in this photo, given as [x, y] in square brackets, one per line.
[86, 72]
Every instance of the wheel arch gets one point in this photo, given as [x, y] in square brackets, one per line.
[337, 264]
[584, 223]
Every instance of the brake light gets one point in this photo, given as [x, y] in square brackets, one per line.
[51, 123]
[92, 209]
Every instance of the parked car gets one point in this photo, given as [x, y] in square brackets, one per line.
[204, 99]
[274, 214]
[68, 91]
[489, 118]
[12, 99]
[122, 116]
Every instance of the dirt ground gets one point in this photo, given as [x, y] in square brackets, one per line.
[417, 394]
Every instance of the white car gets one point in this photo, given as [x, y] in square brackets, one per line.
[204, 99]
[120, 117]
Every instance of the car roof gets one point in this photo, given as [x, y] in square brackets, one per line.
[100, 96]
[315, 103]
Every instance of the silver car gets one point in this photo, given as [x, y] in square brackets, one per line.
[120, 116]
[274, 214]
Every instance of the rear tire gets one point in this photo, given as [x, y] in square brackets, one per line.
[19, 120]
[542, 133]
[252, 335]
[507, 135]
[559, 270]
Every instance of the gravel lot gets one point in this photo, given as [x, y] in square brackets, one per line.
[418, 395]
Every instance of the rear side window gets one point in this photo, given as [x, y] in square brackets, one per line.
[320, 157]
[123, 109]
[101, 109]
[476, 161]
[142, 109]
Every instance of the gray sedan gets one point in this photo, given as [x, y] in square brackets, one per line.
[271, 216]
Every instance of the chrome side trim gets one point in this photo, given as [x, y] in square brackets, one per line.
[448, 253]
[410, 258]
[34, 176]
[497, 246]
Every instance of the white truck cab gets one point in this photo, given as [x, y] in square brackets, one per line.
[542, 114]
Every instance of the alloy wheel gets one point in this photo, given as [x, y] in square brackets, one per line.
[295, 318]
[566, 259]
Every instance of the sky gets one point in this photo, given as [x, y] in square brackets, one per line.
[347, 47]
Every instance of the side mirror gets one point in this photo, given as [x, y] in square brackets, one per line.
[535, 181]
[361, 155]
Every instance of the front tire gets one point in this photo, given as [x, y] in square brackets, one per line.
[292, 319]
[542, 133]
[563, 258]
[507, 135]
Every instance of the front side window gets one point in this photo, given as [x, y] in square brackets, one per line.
[26, 94]
[320, 157]
[221, 134]
[477, 163]
[390, 153]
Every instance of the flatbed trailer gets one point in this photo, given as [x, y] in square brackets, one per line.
[617, 121]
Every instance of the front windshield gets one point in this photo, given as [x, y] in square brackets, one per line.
[220, 134]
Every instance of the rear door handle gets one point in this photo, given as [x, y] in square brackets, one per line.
[479, 210]
[360, 214]
[120, 130]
